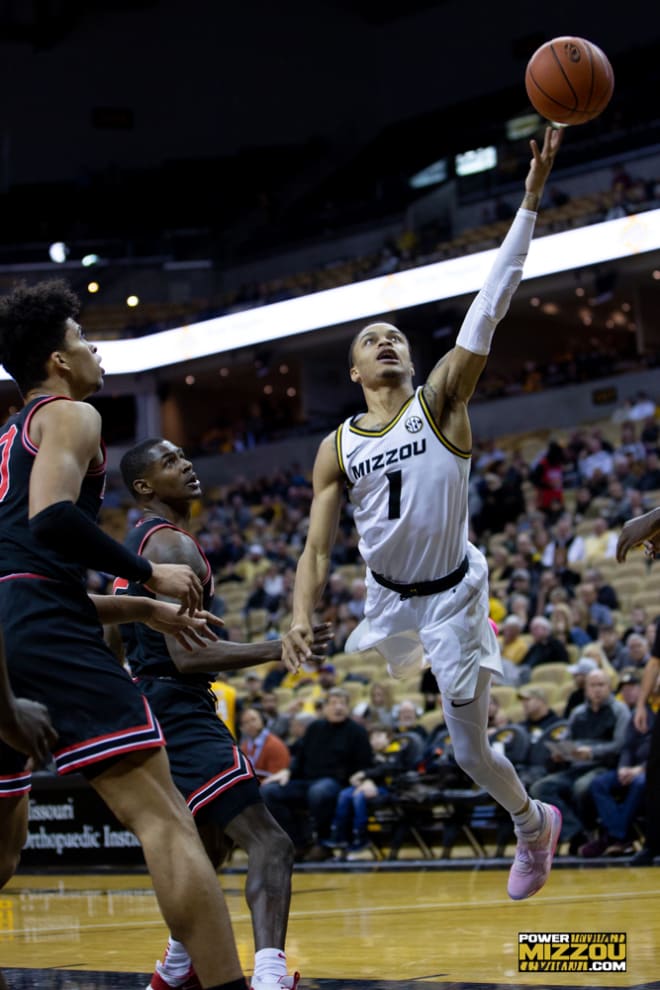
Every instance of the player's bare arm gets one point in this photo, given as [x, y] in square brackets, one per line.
[452, 382]
[314, 562]
[163, 616]
[644, 531]
[68, 435]
[24, 724]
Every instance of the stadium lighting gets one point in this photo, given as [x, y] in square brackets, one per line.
[566, 251]
[58, 252]
[89, 260]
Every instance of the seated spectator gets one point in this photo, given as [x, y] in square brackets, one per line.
[634, 654]
[251, 693]
[391, 757]
[598, 545]
[496, 716]
[514, 643]
[538, 718]
[267, 753]
[650, 477]
[545, 647]
[332, 749]
[378, 708]
[611, 646]
[253, 565]
[579, 673]
[355, 604]
[595, 651]
[547, 476]
[605, 593]
[597, 728]
[598, 615]
[406, 719]
[276, 721]
[519, 605]
[563, 627]
[638, 622]
[619, 794]
[596, 463]
[629, 446]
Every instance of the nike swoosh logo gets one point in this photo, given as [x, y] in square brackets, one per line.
[461, 704]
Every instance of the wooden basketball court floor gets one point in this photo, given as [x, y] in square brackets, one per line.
[366, 926]
[362, 927]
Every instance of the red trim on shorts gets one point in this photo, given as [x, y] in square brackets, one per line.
[219, 788]
[25, 574]
[151, 726]
[18, 788]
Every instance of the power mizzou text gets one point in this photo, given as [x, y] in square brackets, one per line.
[572, 952]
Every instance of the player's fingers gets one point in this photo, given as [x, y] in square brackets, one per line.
[210, 617]
[180, 637]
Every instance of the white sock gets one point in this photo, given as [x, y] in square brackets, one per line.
[176, 962]
[528, 824]
[269, 964]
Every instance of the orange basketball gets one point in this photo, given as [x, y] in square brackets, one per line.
[569, 80]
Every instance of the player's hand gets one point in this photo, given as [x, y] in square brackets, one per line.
[190, 631]
[322, 634]
[637, 533]
[180, 582]
[30, 730]
[296, 645]
[543, 159]
[641, 718]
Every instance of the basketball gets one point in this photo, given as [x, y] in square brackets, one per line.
[569, 80]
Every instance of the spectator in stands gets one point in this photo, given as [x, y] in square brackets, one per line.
[267, 753]
[274, 720]
[596, 463]
[597, 728]
[619, 794]
[563, 628]
[497, 717]
[514, 643]
[547, 476]
[406, 719]
[251, 694]
[629, 687]
[605, 593]
[391, 758]
[595, 651]
[579, 672]
[634, 655]
[630, 446]
[643, 407]
[253, 565]
[538, 718]
[355, 604]
[639, 621]
[545, 648]
[650, 478]
[598, 545]
[612, 648]
[379, 706]
[332, 749]
[599, 615]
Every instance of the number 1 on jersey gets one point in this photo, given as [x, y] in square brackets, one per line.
[394, 501]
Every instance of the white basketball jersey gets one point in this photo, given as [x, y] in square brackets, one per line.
[409, 487]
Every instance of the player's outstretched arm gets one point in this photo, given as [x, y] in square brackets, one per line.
[314, 562]
[454, 378]
[642, 531]
[24, 725]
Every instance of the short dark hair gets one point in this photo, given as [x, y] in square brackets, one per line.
[32, 326]
[135, 462]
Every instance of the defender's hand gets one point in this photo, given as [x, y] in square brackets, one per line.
[296, 645]
[30, 731]
[190, 631]
[180, 582]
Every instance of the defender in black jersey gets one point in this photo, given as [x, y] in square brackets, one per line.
[52, 468]
[212, 773]
[405, 462]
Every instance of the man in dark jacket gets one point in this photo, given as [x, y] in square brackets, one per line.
[333, 748]
[597, 731]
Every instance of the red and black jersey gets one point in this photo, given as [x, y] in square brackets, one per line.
[20, 551]
[146, 650]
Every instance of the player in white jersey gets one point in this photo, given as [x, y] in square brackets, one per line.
[406, 462]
